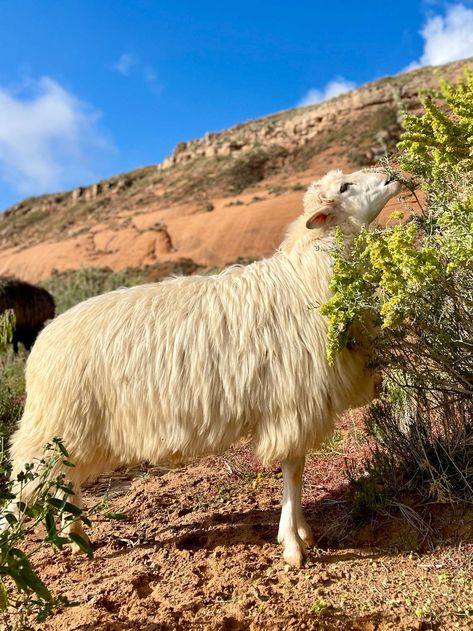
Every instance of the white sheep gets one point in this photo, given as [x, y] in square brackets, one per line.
[186, 367]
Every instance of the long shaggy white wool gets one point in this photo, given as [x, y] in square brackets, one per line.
[188, 366]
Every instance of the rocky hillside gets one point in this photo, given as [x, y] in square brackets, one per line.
[217, 199]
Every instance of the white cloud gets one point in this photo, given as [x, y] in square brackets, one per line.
[130, 64]
[335, 87]
[446, 38]
[48, 137]
[149, 75]
[125, 64]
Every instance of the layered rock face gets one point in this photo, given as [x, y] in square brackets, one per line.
[295, 127]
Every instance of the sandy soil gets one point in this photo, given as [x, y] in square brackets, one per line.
[199, 551]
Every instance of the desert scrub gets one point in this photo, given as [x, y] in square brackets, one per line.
[253, 167]
[386, 273]
[7, 326]
[12, 391]
[414, 281]
[441, 141]
[12, 383]
[72, 287]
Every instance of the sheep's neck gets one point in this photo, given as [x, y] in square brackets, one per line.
[312, 270]
[313, 262]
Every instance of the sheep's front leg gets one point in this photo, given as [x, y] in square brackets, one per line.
[294, 532]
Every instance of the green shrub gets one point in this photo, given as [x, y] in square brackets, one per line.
[254, 166]
[12, 391]
[24, 597]
[70, 288]
[12, 386]
[73, 286]
[7, 326]
[415, 281]
[22, 593]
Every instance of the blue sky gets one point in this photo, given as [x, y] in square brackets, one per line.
[91, 89]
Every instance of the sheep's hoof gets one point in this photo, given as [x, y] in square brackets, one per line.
[295, 552]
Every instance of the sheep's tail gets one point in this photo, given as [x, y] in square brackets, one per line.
[27, 444]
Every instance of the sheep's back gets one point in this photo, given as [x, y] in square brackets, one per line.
[188, 366]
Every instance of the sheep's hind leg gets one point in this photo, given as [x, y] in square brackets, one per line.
[294, 531]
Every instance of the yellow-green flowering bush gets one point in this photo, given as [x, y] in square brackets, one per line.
[441, 140]
[385, 272]
[414, 280]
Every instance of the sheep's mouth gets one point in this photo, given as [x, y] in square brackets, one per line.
[389, 181]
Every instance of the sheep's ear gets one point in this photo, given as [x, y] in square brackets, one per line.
[319, 219]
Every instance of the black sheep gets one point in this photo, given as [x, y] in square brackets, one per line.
[32, 307]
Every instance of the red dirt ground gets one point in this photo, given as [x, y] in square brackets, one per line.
[199, 551]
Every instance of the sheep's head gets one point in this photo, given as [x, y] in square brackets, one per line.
[355, 199]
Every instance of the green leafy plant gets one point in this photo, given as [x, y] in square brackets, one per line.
[440, 141]
[253, 166]
[12, 390]
[23, 594]
[24, 597]
[11, 379]
[71, 287]
[7, 326]
[318, 606]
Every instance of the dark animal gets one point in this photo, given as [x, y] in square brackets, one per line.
[32, 307]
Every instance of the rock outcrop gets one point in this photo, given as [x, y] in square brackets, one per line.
[292, 128]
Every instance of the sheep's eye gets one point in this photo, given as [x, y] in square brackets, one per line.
[344, 186]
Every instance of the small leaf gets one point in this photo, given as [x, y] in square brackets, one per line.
[67, 488]
[11, 519]
[37, 585]
[20, 582]
[25, 509]
[24, 575]
[72, 509]
[55, 502]
[43, 613]
[64, 506]
[6, 495]
[50, 524]
[61, 447]
[82, 543]
[117, 516]
[3, 597]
